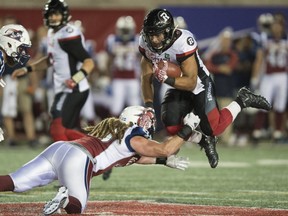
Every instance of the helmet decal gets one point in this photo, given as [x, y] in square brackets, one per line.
[15, 34]
[163, 15]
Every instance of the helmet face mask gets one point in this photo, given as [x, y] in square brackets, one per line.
[156, 22]
[56, 7]
[141, 116]
[14, 40]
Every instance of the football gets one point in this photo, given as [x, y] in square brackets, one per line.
[173, 70]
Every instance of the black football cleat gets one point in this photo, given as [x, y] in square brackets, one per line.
[106, 174]
[209, 145]
[249, 99]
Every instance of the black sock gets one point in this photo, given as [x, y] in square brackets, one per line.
[239, 101]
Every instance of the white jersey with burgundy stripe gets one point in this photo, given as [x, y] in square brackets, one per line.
[126, 62]
[276, 54]
[108, 153]
[183, 46]
[60, 58]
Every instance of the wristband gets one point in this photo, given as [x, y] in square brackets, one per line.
[149, 104]
[161, 161]
[80, 75]
[185, 132]
[170, 81]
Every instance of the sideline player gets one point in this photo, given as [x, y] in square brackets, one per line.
[71, 87]
[194, 90]
[270, 74]
[111, 143]
[14, 41]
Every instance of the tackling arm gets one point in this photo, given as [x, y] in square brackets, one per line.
[151, 148]
[173, 161]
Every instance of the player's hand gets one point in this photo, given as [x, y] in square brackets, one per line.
[148, 119]
[177, 162]
[1, 135]
[18, 72]
[70, 83]
[160, 74]
[191, 120]
[2, 82]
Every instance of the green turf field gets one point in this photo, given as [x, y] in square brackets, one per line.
[251, 177]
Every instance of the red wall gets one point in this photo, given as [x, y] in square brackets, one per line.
[98, 23]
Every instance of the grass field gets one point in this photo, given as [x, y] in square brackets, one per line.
[245, 177]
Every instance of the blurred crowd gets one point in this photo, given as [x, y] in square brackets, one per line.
[256, 59]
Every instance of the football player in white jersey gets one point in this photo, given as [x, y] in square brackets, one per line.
[124, 65]
[65, 51]
[271, 74]
[114, 142]
[14, 41]
[194, 90]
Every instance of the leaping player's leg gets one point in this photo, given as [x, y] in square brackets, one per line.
[70, 113]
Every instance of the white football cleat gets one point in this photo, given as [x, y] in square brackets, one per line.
[59, 201]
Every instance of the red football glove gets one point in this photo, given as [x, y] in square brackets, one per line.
[160, 74]
[70, 83]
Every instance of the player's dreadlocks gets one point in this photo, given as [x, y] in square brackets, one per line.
[113, 126]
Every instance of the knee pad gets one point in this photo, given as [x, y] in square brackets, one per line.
[172, 130]
[57, 131]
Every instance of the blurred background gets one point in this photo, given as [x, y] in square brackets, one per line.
[206, 19]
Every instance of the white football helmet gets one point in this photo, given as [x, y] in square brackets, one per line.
[125, 27]
[14, 40]
[141, 116]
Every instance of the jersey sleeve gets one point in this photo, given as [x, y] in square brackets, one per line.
[136, 131]
[71, 42]
[187, 46]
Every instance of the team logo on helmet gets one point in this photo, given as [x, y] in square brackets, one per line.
[163, 16]
[15, 34]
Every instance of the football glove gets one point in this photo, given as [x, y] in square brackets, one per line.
[177, 162]
[160, 74]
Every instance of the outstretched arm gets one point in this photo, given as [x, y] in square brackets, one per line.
[173, 161]
[152, 148]
[40, 65]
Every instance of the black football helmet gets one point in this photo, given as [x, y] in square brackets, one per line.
[158, 21]
[56, 6]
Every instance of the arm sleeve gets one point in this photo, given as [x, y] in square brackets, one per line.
[74, 47]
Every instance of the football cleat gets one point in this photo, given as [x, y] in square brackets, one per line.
[106, 174]
[59, 201]
[249, 99]
[209, 145]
